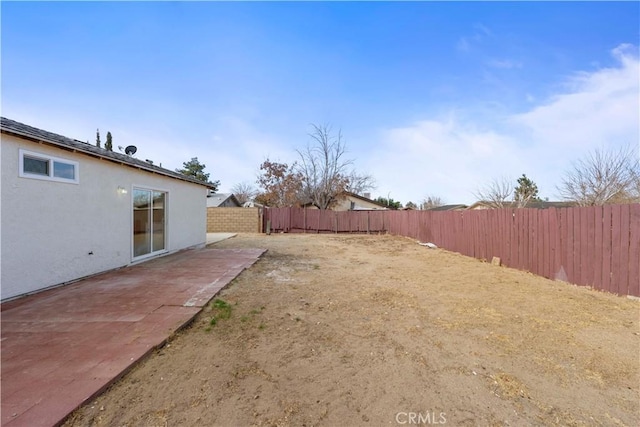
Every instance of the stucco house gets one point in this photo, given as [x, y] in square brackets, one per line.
[222, 200]
[348, 201]
[70, 210]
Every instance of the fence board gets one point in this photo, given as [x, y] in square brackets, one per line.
[616, 233]
[496, 236]
[588, 255]
[554, 240]
[538, 251]
[532, 260]
[567, 243]
[584, 247]
[634, 250]
[477, 226]
[462, 244]
[505, 254]
[624, 249]
[577, 242]
[523, 241]
[513, 240]
[606, 250]
[616, 229]
[597, 243]
[546, 244]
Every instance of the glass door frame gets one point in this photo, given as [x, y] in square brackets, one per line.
[149, 225]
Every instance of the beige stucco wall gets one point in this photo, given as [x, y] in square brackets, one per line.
[55, 232]
[344, 204]
[234, 220]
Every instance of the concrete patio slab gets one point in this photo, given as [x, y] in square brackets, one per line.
[64, 346]
[218, 237]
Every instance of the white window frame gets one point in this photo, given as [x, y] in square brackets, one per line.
[51, 160]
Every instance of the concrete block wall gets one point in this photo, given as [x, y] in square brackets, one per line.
[234, 220]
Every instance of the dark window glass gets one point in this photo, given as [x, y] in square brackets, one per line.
[35, 166]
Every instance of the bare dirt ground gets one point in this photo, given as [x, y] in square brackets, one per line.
[347, 330]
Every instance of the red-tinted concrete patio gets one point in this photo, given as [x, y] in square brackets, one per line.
[64, 346]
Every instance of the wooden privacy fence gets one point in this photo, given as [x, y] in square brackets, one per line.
[597, 246]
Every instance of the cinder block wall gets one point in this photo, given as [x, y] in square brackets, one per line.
[234, 220]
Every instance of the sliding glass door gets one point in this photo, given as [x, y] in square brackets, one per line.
[149, 221]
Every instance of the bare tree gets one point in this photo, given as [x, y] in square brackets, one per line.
[430, 202]
[603, 177]
[244, 192]
[497, 194]
[326, 172]
[359, 183]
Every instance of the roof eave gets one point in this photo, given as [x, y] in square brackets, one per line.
[73, 149]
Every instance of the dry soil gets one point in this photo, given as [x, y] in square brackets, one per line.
[348, 330]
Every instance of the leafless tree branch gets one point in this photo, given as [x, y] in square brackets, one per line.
[497, 194]
[325, 171]
[244, 192]
[431, 202]
[604, 177]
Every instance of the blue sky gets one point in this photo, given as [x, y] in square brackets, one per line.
[432, 98]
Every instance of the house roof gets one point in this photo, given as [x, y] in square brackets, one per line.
[536, 204]
[448, 208]
[364, 199]
[11, 127]
[216, 199]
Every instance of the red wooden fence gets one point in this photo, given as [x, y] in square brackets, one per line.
[597, 246]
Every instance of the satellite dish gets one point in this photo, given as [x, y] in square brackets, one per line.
[130, 150]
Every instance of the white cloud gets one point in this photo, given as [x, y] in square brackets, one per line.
[600, 108]
[446, 158]
[454, 156]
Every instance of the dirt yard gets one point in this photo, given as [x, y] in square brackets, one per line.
[349, 330]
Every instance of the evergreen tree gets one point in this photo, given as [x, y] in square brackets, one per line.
[109, 144]
[525, 192]
[195, 169]
[389, 203]
[411, 205]
[98, 138]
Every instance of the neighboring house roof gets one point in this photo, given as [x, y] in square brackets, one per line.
[347, 195]
[21, 130]
[448, 208]
[216, 200]
[536, 204]
[364, 199]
